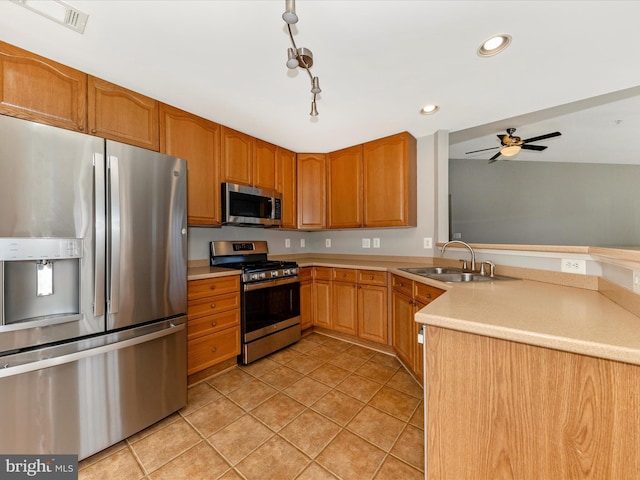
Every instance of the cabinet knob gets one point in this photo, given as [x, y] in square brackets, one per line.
[213, 305]
[428, 295]
[213, 324]
[212, 287]
[213, 349]
[93, 130]
[371, 277]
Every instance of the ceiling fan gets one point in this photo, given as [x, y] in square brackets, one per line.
[511, 145]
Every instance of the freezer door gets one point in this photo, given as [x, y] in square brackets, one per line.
[147, 250]
[81, 397]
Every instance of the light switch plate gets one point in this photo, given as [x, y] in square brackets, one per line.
[376, 243]
[327, 242]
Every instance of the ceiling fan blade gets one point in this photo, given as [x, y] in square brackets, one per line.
[494, 158]
[483, 150]
[542, 137]
[538, 148]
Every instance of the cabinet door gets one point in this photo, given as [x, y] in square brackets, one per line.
[122, 115]
[372, 313]
[38, 89]
[344, 188]
[402, 327]
[418, 354]
[344, 303]
[306, 304]
[312, 193]
[236, 157]
[322, 303]
[264, 165]
[390, 181]
[197, 141]
[286, 179]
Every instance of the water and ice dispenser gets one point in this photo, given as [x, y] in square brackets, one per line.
[39, 279]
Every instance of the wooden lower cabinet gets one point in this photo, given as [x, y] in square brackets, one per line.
[306, 297]
[407, 298]
[351, 301]
[213, 324]
[507, 410]
[322, 297]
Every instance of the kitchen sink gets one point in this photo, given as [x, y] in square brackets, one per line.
[456, 275]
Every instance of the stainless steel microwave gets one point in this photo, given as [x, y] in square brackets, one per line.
[243, 205]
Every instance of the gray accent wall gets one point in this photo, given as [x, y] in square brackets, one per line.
[544, 203]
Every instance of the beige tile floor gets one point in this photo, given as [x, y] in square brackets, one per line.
[320, 409]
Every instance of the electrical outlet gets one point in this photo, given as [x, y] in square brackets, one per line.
[366, 243]
[457, 236]
[303, 243]
[427, 242]
[636, 281]
[574, 266]
[376, 243]
[327, 242]
[287, 243]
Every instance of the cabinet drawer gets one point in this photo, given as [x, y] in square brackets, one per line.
[372, 277]
[426, 293]
[213, 286]
[322, 273]
[345, 275]
[211, 349]
[212, 323]
[403, 285]
[305, 273]
[211, 305]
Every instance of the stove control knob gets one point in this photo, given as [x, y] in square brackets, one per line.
[294, 271]
[262, 275]
[274, 274]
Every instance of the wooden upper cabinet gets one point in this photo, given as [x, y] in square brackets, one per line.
[344, 188]
[390, 186]
[264, 164]
[312, 192]
[198, 142]
[236, 157]
[286, 184]
[122, 115]
[38, 89]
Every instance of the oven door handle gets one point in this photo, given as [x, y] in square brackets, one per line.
[248, 287]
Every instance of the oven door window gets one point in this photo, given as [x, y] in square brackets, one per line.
[271, 305]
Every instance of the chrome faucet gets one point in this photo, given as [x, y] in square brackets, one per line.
[460, 242]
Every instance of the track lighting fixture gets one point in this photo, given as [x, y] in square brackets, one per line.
[300, 57]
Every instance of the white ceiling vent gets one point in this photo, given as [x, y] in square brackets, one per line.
[58, 11]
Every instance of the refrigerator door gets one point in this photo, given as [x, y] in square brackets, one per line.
[147, 249]
[50, 218]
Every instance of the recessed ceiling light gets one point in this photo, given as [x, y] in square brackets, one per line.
[494, 45]
[429, 109]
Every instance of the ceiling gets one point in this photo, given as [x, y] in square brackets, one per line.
[378, 61]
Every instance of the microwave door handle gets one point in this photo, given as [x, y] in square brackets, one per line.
[99, 218]
[114, 197]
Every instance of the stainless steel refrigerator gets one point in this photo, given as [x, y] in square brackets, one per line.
[93, 289]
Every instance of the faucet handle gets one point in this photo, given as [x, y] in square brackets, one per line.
[464, 264]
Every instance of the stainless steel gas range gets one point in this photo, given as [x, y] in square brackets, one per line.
[270, 297]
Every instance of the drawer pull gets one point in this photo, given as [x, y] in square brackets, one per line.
[428, 295]
[213, 305]
[213, 349]
[213, 324]
[212, 287]
[371, 277]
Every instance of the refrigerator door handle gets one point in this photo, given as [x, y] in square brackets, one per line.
[114, 201]
[99, 214]
[162, 330]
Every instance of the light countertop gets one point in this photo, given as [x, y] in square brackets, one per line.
[571, 319]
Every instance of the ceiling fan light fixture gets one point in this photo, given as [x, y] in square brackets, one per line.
[429, 109]
[494, 45]
[510, 150]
